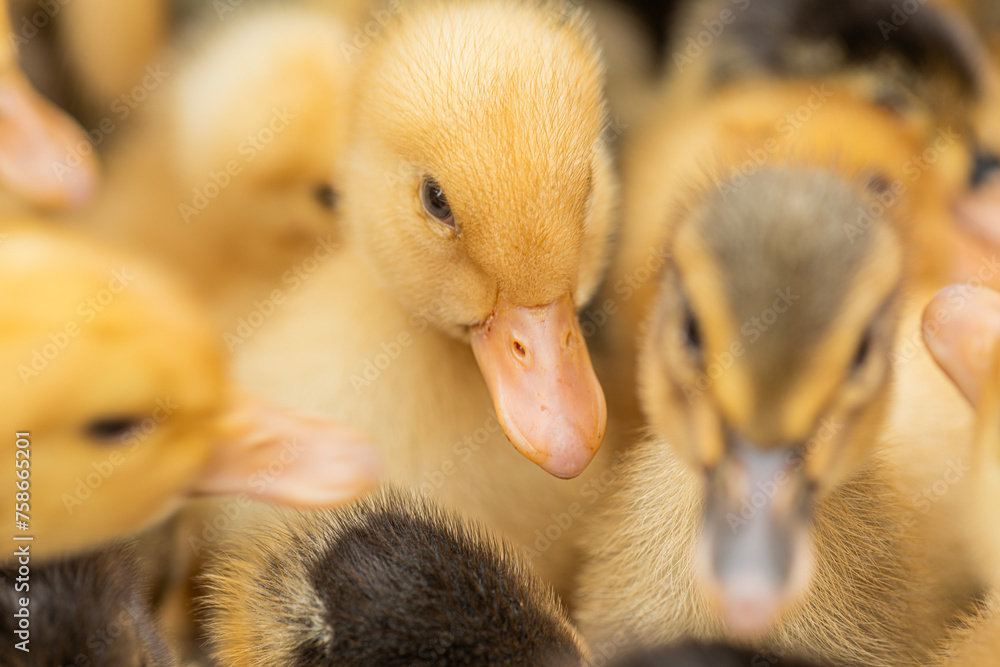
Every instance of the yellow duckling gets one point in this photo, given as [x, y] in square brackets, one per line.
[87, 609]
[33, 137]
[230, 164]
[116, 390]
[478, 196]
[390, 580]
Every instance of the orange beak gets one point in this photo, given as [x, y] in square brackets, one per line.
[40, 155]
[546, 394]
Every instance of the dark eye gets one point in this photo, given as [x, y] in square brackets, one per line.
[984, 167]
[110, 428]
[325, 195]
[878, 184]
[692, 332]
[435, 203]
[864, 349]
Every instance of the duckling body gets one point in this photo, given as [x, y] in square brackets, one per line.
[441, 438]
[392, 580]
[226, 172]
[87, 609]
[380, 334]
[885, 573]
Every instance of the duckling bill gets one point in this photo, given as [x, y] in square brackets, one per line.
[547, 397]
[35, 135]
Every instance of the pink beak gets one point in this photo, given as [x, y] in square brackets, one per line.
[40, 158]
[547, 397]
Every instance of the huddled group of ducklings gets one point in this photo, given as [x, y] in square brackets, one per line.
[284, 281]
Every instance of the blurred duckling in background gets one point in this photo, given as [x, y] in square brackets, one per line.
[34, 135]
[962, 328]
[930, 63]
[477, 200]
[107, 46]
[119, 386]
[391, 580]
[631, 63]
[764, 480]
[792, 262]
[87, 609]
[228, 175]
[829, 51]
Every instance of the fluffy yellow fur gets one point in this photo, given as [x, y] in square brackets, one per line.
[501, 103]
[230, 166]
[117, 378]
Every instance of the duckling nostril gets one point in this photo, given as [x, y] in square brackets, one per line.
[568, 343]
[520, 352]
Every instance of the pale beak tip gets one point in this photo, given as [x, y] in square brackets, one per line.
[565, 460]
[749, 608]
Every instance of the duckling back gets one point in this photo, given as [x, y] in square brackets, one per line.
[88, 609]
[392, 580]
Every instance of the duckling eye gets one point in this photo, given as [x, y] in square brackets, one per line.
[984, 166]
[692, 332]
[435, 203]
[106, 429]
[864, 350]
[325, 195]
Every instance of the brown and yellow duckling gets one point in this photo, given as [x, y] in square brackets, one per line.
[392, 580]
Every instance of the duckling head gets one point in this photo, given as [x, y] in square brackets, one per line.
[116, 379]
[117, 394]
[766, 366]
[480, 195]
[258, 112]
